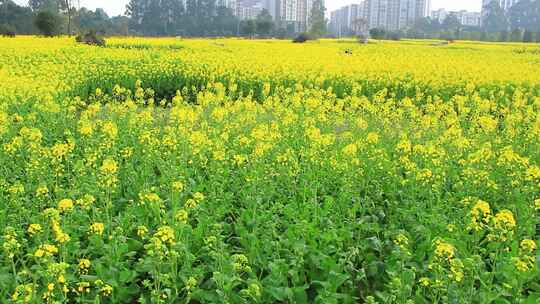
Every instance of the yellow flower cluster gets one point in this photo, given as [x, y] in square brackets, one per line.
[46, 250]
[526, 260]
[84, 266]
[446, 261]
[97, 228]
[65, 205]
[480, 215]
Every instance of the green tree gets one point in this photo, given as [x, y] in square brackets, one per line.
[495, 19]
[525, 15]
[451, 23]
[249, 28]
[528, 36]
[151, 17]
[119, 25]
[265, 24]
[68, 8]
[49, 5]
[504, 36]
[377, 33]
[426, 26]
[516, 35]
[317, 20]
[89, 20]
[225, 23]
[16, 16]
[48, 23]
[7, 30]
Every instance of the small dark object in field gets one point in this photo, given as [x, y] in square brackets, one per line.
[90, 38]
[302, 37]
[348, 52]
[441, 43]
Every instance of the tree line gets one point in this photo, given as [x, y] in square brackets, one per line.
[150, 18]
[58, 17]
[520, 23]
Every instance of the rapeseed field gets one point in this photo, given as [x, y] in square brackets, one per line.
[261, 171]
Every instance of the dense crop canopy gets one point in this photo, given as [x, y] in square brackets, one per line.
[230, 171]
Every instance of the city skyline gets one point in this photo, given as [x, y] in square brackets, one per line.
[118, 7]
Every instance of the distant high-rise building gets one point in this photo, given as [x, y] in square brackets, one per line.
[471, 19]
[248, 9]
[227, 3]
[387, 14]
[505, 5]
[302, 14]
[464, 17]
[285, 13]
[439, 14]
[396, 14]
[288, 10]
[272, 7]
[342, 21]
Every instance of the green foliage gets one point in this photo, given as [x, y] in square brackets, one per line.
[177, 17]
[525, 14]
[45, 5]
[377, 33]
[48, 23]
[504, 36]
[264, 23]
[495, 20]
[248, 28]
[261, 180]
[7, 30]
[451, 23]
[18, 17]
[516, 35]
[528, 36]
[97, 20]
[317, 19]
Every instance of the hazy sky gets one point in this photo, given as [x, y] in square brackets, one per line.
[117, 7]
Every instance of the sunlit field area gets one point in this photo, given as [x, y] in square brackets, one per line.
[262, 171]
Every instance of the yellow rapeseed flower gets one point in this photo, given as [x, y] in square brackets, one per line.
[142, 231]
[444, 250]
[84, 266]
[529, 246]
[65, 205]
[182, 216]
[97, 228]
[505, 220]
[34, 229]
[198, 196]
[46, 250]
[178, 186]
[110, 166]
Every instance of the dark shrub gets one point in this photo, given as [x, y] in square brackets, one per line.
[90, 38]
[302, 37]
[48, 23]
[377, 33]
[528, 36]
[395, 35]
[7, 30]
